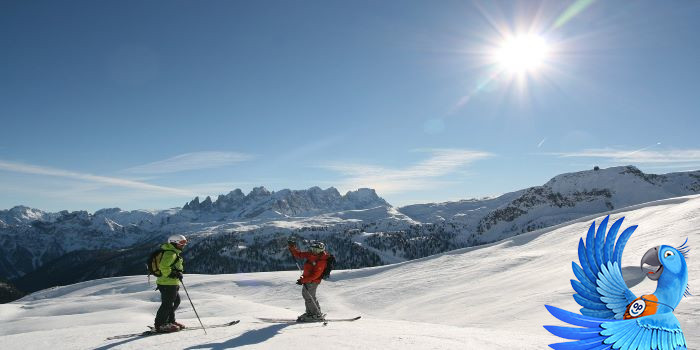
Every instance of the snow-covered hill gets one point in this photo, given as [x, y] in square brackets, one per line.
[488, 297]
[563, 198]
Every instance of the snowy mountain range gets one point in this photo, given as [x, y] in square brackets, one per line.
[489, 297]
[564, 197]
[262, 203]
[245, 233]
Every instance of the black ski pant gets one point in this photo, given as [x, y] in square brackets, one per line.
[169, 301]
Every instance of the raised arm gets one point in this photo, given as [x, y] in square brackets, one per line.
[297, 253]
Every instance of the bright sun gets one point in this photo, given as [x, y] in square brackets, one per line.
[522, 54]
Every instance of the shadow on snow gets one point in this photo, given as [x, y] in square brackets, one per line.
[251, 337]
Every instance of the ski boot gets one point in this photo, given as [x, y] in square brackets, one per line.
[167, 328]
[312, 318]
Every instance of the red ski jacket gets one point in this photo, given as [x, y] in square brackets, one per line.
[314, 265]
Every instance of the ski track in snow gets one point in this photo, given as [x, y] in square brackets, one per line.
[489, 297]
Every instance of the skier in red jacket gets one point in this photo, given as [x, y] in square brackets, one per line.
[314, 266]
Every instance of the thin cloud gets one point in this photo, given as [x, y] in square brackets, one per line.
[642, 156]
[423, 175]
[676, 167]
[191, 161]
[104, 180]
[644, 148]
[311, 147]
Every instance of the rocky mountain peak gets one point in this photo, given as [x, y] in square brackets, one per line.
[21, 214]
[107, 211]
[258, 192]
[192, 205]
[235, 195]
[616, 179]
[364, 197]
[288, 202]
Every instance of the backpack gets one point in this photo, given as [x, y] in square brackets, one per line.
[330, 265]
[154, 262]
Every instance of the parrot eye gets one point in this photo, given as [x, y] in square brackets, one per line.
[668, 253]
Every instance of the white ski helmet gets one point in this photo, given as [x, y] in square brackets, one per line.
[317, 247]
[177, 240]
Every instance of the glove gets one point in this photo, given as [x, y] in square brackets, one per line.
[299, 282]
[176, 274]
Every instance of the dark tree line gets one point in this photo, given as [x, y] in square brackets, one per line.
[258, 250]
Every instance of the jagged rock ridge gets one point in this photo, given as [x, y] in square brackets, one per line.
[287, 202]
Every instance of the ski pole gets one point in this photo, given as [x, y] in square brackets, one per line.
[195, 310]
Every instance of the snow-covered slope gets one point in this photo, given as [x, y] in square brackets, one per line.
[489, 297]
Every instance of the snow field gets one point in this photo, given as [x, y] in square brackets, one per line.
[489, 297]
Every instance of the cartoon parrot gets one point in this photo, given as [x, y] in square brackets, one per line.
[612, 317]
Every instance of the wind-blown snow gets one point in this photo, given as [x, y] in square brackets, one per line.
[488, 297]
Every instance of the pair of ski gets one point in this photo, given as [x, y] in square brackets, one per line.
[324, 321]
[152, 331]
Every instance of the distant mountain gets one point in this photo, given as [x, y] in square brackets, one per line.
[261, 202]
[565, 197]
[27, 246]
[29, 238]
[247, 233]
[23, 215]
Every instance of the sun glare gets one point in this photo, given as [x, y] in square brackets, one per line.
[522, 54]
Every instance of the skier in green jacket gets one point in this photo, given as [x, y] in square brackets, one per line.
[171, 268]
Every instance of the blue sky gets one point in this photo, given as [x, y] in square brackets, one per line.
[145, 104]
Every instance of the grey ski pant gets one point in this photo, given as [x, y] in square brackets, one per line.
[309, 293]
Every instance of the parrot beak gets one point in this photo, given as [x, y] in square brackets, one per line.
[651, 258]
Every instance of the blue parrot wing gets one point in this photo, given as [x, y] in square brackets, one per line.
[661, 331]
[600, 288]
[613, 291]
